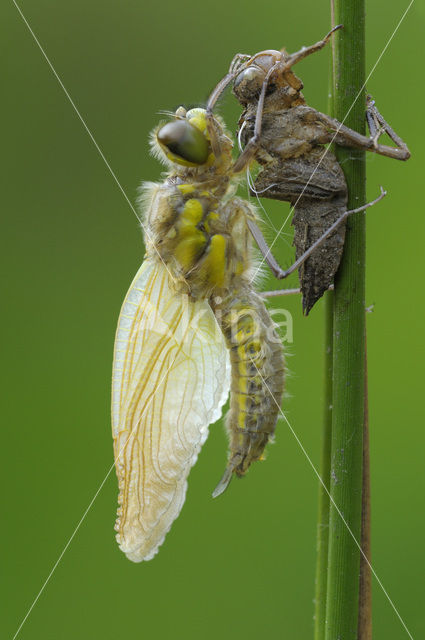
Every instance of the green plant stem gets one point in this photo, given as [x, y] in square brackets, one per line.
[325, 467]
[349, 340]
[322, 544]
[365, 587]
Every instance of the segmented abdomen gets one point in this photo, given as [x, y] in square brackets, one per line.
[257, 362]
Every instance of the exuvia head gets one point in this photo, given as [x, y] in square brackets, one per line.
[249, 80]
[271, 69]
[266, 64]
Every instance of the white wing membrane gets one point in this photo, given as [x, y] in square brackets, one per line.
[171, 378]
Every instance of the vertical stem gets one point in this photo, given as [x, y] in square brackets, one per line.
[325, 467]
[349, 341]
[322, 544]
[365, 587]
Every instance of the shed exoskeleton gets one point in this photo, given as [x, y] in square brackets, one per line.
[287, 137]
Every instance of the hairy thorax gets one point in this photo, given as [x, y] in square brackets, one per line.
[200, 234]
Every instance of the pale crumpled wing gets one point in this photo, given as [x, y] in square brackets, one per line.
[171, 378]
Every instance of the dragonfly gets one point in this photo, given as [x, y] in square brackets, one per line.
[287, 137]
[193, 329]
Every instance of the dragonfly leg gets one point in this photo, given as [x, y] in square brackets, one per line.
[378, 125]
[307, 51]
[346, 137]
[285, 292]
[238, 61]
[216, 93]
[271, 261]
[264, 248]
[250, 150]
[280, 292]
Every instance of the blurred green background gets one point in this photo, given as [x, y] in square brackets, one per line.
[241, 566]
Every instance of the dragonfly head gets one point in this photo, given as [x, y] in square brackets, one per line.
[185, 140]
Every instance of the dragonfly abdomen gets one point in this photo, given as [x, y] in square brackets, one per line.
[257, 366]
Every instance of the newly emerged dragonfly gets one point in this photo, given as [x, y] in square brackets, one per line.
[287, 138]
[191, 329]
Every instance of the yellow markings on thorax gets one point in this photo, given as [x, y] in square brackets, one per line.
[186, 188]
[196, 240]
[192, 212]
[191, 240]
[213, 267]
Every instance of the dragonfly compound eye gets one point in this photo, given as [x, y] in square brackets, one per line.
[183, 143]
